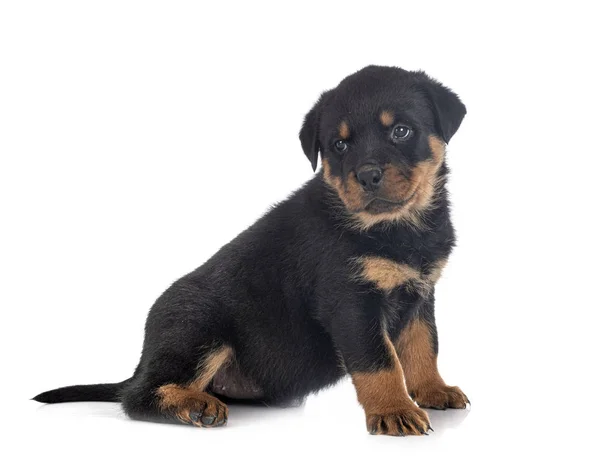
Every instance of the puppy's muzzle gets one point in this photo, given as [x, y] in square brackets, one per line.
[369, 176]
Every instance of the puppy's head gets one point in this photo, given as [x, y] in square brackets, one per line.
[382, 134]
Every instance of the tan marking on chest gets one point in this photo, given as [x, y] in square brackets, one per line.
[388, 275]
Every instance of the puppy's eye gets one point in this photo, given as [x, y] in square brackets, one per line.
[401, 133]
[340, 146]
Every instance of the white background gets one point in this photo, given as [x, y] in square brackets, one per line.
[136, 138]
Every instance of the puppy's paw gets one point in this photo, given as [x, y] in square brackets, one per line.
[409, 421]
[440, 397]
[204, 411]
[210, 412]
[192, 407]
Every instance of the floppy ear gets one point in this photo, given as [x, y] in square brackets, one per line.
[447, 107]
[309, 133]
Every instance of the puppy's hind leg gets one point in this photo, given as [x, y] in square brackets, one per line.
[173, 388]
[190, 403]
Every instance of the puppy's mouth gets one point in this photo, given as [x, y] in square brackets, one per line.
[382, 205]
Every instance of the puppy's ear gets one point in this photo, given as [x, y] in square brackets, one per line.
[447, 107]
[309, 133]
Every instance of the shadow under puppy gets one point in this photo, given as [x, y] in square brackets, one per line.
[339, 278]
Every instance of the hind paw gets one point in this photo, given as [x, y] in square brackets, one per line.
[210, 412]
[192, 407]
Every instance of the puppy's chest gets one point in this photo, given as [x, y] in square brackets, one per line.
[393, 264]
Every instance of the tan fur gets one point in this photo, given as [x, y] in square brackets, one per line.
[435, 273]
[386, 118]
[387, 274]
[423, 380]
[438, 149]
[344, 130]
[210, 366]
[418, 191]
[422, 188]
[334, 181]
[350, 193]
[387, 405]
[176, 397]
[415, 350]
[181, 400]
[425, 174]
[382, 391]
[397, 186]
[364, 221]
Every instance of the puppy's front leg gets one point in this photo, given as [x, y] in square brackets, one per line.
[417, 348]
[373, 364]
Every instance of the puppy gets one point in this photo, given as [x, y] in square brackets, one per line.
[337, 279]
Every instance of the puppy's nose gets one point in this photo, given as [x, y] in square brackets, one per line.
[369, 177]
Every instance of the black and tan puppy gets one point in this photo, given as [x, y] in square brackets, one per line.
[337, 279]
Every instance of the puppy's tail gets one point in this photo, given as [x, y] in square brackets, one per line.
[84, 392]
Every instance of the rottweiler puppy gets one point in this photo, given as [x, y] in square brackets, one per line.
[338, 279]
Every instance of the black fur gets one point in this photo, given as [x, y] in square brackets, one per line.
[83, 392]
[283, 294]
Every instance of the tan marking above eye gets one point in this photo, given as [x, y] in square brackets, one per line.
[344, 130]
[386, 118]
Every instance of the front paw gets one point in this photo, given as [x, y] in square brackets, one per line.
[440, 397]
[402, 422]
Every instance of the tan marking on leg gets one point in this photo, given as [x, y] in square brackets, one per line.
[382, 391]
[386, 118]
[388, 407]
[178, 399]
[387, 274]
[423, 380]
[344, 130]
[181, 400]
[415, 350]
[210, 366]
